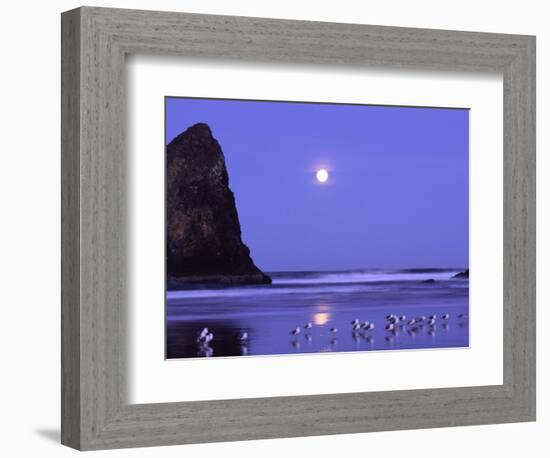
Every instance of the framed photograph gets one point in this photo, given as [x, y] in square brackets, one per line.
[278, 228]
[329, 198]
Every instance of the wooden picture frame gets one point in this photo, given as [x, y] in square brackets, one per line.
[95, 411]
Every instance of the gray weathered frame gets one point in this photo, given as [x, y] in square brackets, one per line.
[95, 414]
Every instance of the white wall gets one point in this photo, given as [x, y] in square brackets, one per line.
[29, 241]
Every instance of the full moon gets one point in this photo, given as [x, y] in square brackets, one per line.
[322, 175]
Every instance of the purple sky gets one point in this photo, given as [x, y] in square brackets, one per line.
[397, 194]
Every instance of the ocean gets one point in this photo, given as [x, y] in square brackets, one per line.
[330, 301]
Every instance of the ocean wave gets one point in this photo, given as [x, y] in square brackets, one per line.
[259, 291]
[287, 283]
[361, 277]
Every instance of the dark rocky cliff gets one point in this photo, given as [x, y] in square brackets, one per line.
[203, 231]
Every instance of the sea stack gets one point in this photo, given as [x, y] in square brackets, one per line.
[203, 237]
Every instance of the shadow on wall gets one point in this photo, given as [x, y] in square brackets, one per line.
[53, 435]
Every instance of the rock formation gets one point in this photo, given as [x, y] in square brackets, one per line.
[465, 274]
[203, 231]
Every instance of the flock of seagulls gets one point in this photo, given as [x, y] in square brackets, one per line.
[392, 325]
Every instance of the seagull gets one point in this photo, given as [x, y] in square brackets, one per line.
[334, 330]
[243, 336]
[462, 315]
[206, 338]
[354, 322]
[432, 317]
[308, 326]
[411, 322]
[390, 327]
[368, 326]
[365, 325]
[295, 331]
[402, 318]
[431, 322]
[356, 327]
[445, 317]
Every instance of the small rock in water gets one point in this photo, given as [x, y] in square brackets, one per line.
[464, 274]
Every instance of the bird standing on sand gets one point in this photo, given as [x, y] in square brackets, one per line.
[295, 331]
[205, 336]
[308, 326]
[392, 319]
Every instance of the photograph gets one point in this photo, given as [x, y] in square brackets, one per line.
[299, 227]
